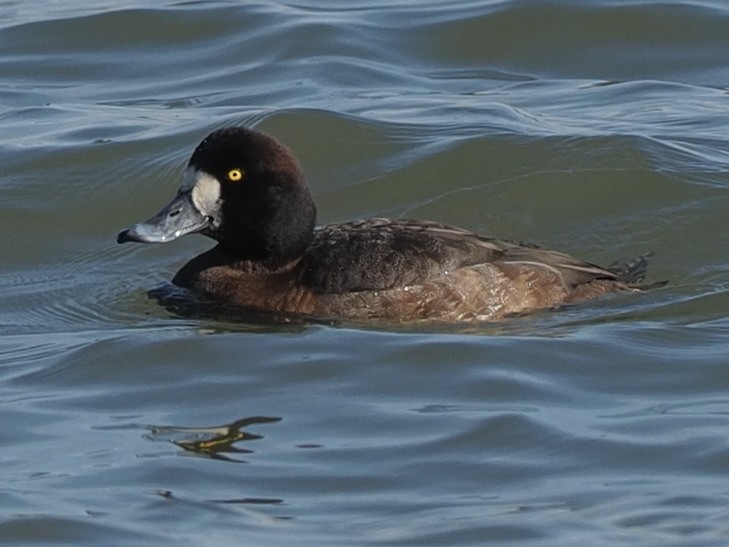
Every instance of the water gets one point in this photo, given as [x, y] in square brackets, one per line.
[595, 128]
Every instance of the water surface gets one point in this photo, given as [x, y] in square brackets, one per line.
[597, 128]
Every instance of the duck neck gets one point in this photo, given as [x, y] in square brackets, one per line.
[288, 233]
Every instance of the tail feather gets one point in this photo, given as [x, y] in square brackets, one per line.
[633, 272]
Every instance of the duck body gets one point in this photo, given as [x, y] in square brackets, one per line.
[246, 191]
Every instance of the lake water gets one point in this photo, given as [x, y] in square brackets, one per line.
[597, 128]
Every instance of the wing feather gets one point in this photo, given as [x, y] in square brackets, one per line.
[380, 254]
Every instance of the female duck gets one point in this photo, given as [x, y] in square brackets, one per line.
[246, 190]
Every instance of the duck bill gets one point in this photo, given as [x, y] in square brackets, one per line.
[178, 218]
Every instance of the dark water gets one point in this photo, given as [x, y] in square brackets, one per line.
[598, 128]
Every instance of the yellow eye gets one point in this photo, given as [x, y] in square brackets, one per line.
[235, 175]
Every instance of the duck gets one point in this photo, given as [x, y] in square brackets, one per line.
[246, 191]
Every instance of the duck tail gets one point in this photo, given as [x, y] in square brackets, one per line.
[633, 273]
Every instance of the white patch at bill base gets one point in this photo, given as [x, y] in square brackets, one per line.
[205, 192]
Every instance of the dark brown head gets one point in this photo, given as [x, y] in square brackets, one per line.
[245, 190]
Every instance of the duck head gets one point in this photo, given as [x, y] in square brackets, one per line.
[246, 191]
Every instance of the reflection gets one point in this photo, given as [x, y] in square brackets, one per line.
[214, 441]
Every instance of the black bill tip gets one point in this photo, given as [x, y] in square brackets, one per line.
[123, 236]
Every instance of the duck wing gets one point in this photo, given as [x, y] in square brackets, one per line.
[573, 271]
[380, 254]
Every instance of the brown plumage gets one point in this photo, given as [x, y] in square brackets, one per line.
[271, 258]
